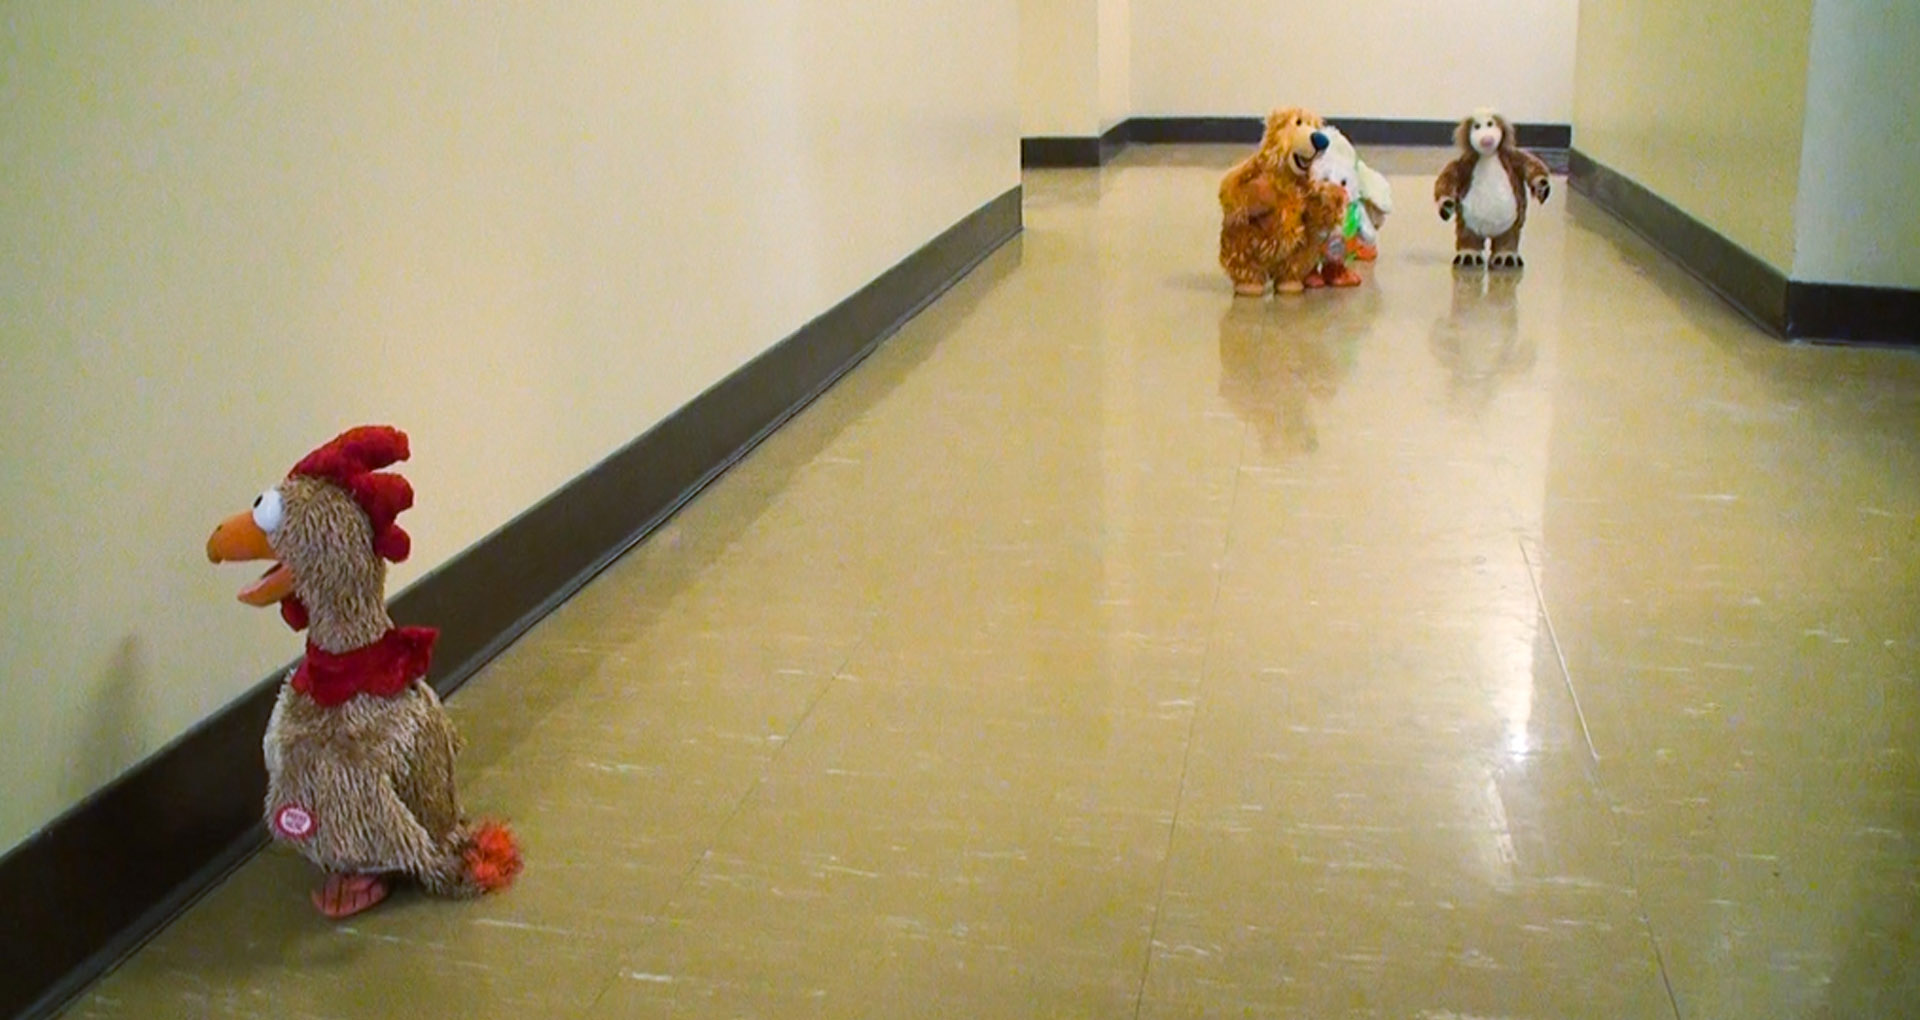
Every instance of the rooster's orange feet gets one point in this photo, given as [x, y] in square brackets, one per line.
[1340, 276]
[346, 895]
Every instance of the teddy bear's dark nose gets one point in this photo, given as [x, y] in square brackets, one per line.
[1319, 142]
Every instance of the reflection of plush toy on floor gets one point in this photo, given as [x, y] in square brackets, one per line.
[1274, 217]
[1369, 200]
[1271, 374]
[1487, 188]
[1479, 341]
[359, 752]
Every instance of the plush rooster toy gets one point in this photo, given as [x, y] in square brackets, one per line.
[359, 752]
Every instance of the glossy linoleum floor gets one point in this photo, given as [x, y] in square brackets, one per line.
[1461, 646]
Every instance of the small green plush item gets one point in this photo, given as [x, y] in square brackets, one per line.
[1350, 227]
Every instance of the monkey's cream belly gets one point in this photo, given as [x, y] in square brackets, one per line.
[1490, 207]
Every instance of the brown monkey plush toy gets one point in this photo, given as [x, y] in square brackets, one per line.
[1487, 188]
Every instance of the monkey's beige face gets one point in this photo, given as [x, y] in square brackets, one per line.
[1484, 133]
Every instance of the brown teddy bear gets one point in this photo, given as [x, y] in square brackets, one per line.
[1487, 187]
[1275, 218]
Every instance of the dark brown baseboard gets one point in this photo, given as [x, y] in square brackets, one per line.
[1091, 151]
[1073, 150]
[1746, 282]
[98, 882]
[1847, 314]
[1790, 309]
[1361, 130]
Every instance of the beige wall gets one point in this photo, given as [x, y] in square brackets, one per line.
[1115, 61]
[524, 233]
[1060, 86]
[1074, 67]
[1857, 220]
[1702, 103]
[1392, 58]
[1784, 125]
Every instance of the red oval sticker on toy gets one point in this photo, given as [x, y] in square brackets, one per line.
[293, 822]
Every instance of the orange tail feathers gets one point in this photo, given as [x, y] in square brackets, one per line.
[493, 857]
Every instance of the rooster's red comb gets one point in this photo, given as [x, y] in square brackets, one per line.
[353, 461]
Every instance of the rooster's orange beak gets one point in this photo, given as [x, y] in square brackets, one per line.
[239, 539]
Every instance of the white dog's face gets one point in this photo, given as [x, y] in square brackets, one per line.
[1484, 133]
[1339, 163]
[1335, 173]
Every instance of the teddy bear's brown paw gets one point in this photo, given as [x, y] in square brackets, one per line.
[1506, 260]
[1469, 258]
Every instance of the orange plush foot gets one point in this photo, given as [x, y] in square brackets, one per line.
[1314, 281]
[346, 895]
[1340, 276]
[493, 859]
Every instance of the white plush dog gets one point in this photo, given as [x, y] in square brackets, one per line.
[1369, 197]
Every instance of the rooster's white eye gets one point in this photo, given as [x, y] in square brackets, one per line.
[268, 510]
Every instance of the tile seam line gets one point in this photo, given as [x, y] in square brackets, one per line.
[1559, 655]
[1193, 726]
[626, 954]
[1599, 788]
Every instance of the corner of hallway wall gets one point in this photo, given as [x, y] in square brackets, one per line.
[498, 227]
[1855, 218]
[1060, 72]
[1115, 63]
[1712, 129]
